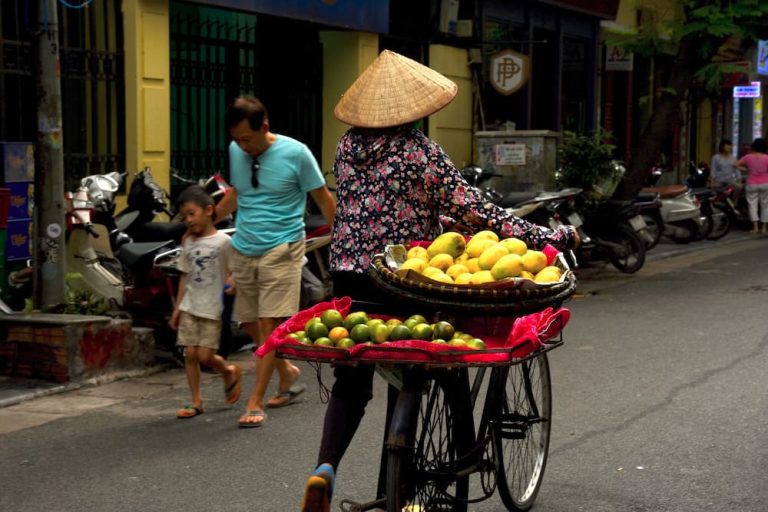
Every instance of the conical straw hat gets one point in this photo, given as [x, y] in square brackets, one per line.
[394, 90]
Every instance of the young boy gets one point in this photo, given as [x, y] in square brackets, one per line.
[204, 262]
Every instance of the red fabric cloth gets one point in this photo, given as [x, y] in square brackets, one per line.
[527, 334]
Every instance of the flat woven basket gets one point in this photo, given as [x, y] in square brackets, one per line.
[474, 298]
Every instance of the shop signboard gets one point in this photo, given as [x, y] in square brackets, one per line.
[509, 71]
[747, 91]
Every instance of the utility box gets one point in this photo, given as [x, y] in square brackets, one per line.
[526, 160]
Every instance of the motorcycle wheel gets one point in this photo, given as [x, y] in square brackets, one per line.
[655, 226]
[692, 232]
[631, 258]
[721, 223]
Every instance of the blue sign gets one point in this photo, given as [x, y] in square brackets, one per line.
[368, 15]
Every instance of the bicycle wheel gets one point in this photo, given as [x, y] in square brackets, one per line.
[422, 476]
[521, 431]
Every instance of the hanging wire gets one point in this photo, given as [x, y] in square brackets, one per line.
[83, 5]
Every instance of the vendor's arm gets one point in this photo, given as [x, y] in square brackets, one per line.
[462, 202]
[325, 201]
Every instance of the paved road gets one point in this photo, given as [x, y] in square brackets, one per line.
[660, 405]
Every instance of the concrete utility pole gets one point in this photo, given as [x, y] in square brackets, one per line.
[48, 242]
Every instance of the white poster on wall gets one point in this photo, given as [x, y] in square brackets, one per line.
[510, 154]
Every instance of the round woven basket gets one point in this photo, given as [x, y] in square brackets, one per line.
[465, 298]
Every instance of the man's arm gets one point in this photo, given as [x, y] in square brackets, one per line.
[227, 205]
[322, 196]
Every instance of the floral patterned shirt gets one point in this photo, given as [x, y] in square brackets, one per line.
[392, 187]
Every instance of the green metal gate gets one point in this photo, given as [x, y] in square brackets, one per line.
[217, 54]
[92, 85]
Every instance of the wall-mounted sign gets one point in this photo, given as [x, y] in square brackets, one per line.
[747, 91]
[509, 71]
[618, 59]
[510, 154]
[762, 57]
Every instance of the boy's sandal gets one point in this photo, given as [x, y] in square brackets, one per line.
[283, 398]
[189, 411]
[234, 388]
[252, 414]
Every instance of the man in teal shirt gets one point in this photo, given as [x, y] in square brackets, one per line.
[271, 175]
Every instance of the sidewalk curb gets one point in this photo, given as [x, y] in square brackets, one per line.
[99, 380]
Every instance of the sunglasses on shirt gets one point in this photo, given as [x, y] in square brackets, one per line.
[255, 165]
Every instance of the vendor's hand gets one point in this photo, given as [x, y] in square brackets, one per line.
[576, 238]
[462, 229]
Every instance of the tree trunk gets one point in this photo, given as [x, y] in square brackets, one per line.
[665, 112]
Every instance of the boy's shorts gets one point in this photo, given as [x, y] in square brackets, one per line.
[268, 286]
[196, 331]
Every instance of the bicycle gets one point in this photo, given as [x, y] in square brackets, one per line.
[432, 446]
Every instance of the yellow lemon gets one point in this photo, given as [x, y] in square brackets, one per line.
[526, 275]
[509, 265]
[448, 243]
[442, 278]
[491, 255]
[441, 261]
[533, 261]
[476, 247]
[485, 235]
[456, 269]
[461, 259]
[484, 276]
[515, 246]
[465, 278]
[416, 264]
[472, 265]
[553, 269]
[430, 271]
[547, 276]
[417, 252]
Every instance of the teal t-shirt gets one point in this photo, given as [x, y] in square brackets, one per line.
[272, 213]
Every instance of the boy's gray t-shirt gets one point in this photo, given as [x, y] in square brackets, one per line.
[205, 260]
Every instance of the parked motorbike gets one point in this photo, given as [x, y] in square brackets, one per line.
[479, 179]
[681, 216]
[613, 233]
[649, 206]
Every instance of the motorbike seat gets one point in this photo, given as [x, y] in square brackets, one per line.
[667, 191]
[703, 193]
[159, 232]
[132, 254]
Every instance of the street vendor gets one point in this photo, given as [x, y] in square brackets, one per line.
[394, 184]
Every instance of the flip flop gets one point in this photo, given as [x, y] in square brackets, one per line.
[288, 396]
[252, 413]
[234, 389]
[189, 411]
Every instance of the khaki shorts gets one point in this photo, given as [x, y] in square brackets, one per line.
[196, 331]
[268, 286]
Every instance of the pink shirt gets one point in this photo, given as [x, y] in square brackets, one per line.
[757, 164]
